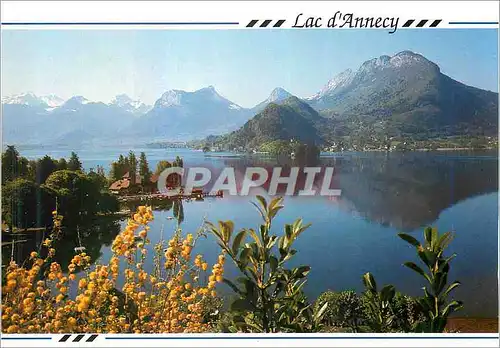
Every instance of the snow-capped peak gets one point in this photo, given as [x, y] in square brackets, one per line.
[172, 97]
[407, 58]
[340, 80]
[125, 102]
[31, 99]
[121, 100]
[175, 97]
[78, 99]
[278, 94]
[52, 100]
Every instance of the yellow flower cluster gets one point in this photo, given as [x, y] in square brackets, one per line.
[84, 298]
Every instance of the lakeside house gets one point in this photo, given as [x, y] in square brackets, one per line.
[125, 186]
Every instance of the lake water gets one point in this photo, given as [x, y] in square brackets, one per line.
[382, 194]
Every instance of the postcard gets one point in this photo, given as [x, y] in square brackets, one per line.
[249, 173]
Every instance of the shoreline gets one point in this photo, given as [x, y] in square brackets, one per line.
[225, 154]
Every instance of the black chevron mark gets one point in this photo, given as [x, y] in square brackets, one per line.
[252, 23]
[265, 23]
[78, 338]
[435, 23]
[64, 338]
[279, 23]
[408, 23]
[421, 23]
[91, 338]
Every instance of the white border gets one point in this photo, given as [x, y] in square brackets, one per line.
[238, 11]
[265, 340]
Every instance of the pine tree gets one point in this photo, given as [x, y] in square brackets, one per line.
[115, 172]
[132, 161]
[62, 164]
[100, 170]
[144, 169]
[74, 162]
[13, 166]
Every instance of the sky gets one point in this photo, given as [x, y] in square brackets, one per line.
[243, 65]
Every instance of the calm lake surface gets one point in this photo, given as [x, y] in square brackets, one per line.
[382, 194]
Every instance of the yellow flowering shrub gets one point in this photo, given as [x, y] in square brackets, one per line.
[170, 299]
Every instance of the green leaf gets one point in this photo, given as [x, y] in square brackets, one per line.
[428, 235]
[445, 239]
[443, 265]
[228, 227]
[263, 233]
[271, 242]
[369, 282]
[288, 233]
[435, 238]
[245, 253]
[289, 255]
[299, 228]
[451, 287]
[237, 241]
[215, 231]
[453, 306]
[441, 278]
[387, 293]
[406, 237]
[428, 257]
[262, 202]
[319, 314]
[274, 207]
[301, 272]
[273, 262]
[253, 234]
[274, 211]
[417, 269]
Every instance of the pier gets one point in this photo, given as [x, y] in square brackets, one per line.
[194, 195]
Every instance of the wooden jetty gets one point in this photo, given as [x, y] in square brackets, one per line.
[194, 195]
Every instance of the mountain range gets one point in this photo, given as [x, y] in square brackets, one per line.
[400, 94]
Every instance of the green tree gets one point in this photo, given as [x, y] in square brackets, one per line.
[161, 166]
[116, 172]
[32, 167]
[62, 164]
[25, 204]
[132, 163]
[44, 167]
[74, 162]
[79, 193]
[178, 162]
[100, 170]
[13, 165]
[144, 171]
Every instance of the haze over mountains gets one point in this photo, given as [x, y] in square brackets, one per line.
[402, 94]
